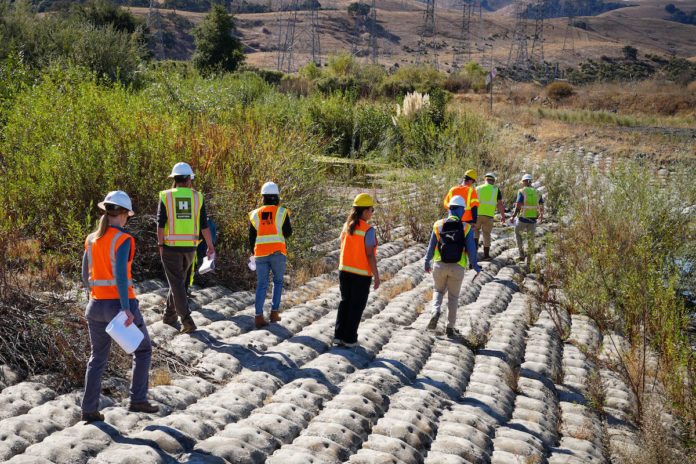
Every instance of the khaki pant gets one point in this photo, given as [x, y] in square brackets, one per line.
[485, 225]
[525, 227]
[447, 276]
[176, 266]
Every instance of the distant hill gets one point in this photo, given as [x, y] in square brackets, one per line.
[641, 24]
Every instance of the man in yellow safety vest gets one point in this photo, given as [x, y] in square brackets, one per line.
[181, 219]
[490, 197]
[530, 206]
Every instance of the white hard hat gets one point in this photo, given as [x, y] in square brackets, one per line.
[457, 200]
[491, 175]
[269, 188]
[182, 169]
[118, 198]
[527, 177]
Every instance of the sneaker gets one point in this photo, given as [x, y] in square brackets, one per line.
[338, 342]
[433, 321]
[143, 406]
[90, 417]
[453, 333]
[351, 345]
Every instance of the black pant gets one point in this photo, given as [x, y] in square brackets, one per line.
[354, 291]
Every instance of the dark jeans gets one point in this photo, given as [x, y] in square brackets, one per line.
[99, 313]
[354, 292]
[176, 266]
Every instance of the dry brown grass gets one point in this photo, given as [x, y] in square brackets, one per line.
[160, 376]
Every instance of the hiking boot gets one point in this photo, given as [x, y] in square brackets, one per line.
[259, 322]
[143, 406]
[453, 333]
[90, 417]
[188, 326]
[351, 345]
[486, 253]
[169, 320]
[275, 316]
[433, 321]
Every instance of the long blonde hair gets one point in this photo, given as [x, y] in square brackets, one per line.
[354, 218]
[111, 210]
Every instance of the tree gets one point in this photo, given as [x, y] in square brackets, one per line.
[630, 53]
[217, 49]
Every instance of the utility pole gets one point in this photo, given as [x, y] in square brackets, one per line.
[569, 37]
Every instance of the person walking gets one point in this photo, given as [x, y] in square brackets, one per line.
[357, 266]
[106, 271]
[490, 196]
[450, 243]
[269, 228]
[468, 192]
[181, 217]
[530, 207]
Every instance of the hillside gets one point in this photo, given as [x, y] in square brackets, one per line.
[399, 23]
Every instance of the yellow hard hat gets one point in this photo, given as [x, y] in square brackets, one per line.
[470, 173]
[363, 200]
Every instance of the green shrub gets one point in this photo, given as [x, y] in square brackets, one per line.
[558, 90]
[217, 48]
[332, 119]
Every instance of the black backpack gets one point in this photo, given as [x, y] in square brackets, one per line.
[451, 243]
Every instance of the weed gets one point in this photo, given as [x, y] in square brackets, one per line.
[596, 391]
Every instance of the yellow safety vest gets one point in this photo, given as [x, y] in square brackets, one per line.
[437, 229]
[183, 216]
[530, 203]
[488, 199]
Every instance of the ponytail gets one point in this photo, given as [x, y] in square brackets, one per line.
[111, 210]
[353, 219]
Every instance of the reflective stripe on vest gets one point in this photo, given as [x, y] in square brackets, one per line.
[180, 230]
[437, 230]
[101, 278]
[530, 203]
[488, 199]
[269, 231]
[469, 195]
[353, 256]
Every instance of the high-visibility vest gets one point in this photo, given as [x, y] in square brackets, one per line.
[466, 192]
[488, 199]
[530, 203]
[353, 255]
[183, 216]
[101, 259]
[437, 229]
[268, 222]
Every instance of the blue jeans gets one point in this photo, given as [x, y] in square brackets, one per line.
[264, 265]
[99, 313]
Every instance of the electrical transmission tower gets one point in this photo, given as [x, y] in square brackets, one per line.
[464, 48]
[536, 54]
[154, 24]
[298, 44]
[519, 56]
[569, 37]
[428, 32]
[373, 32]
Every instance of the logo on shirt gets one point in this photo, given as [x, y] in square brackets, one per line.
[182, 207]
[267, 218]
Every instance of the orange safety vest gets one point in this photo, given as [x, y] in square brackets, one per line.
[101, 258]
[268, 222]
[353, 255]
[469, 194]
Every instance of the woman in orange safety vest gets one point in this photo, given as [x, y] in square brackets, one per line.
[357, 267]
[106, 271]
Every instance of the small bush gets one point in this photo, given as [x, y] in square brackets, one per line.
[558, 90]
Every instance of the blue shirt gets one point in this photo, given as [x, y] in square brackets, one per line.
[520, 199]
[120, 272]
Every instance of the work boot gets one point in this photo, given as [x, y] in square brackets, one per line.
[188, 326]
[90, 417]
[453, 333]
[521, 258]
[433, 321]
[143, 406]
[169, 319]
[275, 316]
[486, 253]
[259, 322]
